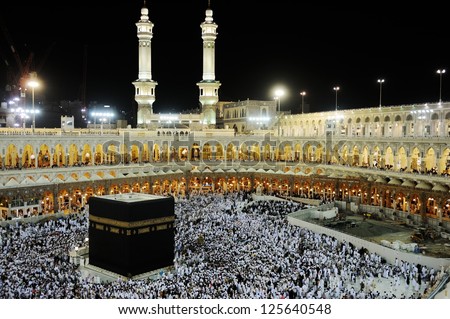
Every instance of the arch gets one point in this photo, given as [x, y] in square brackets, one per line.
[356, 157]
[430, 160]
[111, 155]
[145, 187]
[194, 183]
[114, 189]
[231, 152]
[297, 152]
[98, 155]
[435, 116]
[173, 154]
[310, 151]
[195, 152]
[255, 152]
[319, 153]
[416, 161]
[409, 117]
[344, 154]
[243, 152]
[44, 156]
[76, 200]
[89, 192]
[415, 204]
[335, 157]
[28, 156]
[389, 158]
[245, 183]
[173, 186]
[11, 159]
[86, 154]
[400, 201]
[183, 153]
[402, 162]
[398, 118]
[181, 186]
[376, 161]
[207, 152]
[287, 152]
[134, 154]
[124, 156]
[64, 201]
[387, 118]
[267, 152]
[100, 190]
[365, 157]
[444, 162]
[59, 156]
[157, 153]
[48, 202]
[73, 155]
[145, 153]
[125, 188]
[219, 152]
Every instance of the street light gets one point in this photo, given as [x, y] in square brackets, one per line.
[278, 94]
[381, 81]
[33, 83]
[336, 88]
[303, 99]
[440, 72]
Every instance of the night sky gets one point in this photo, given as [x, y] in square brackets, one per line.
[303, 46]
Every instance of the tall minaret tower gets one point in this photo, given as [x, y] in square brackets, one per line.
[144, 85]
[209, 87]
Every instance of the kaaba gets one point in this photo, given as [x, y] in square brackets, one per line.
[131, 234]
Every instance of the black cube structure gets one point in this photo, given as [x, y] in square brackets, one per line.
[130, 234]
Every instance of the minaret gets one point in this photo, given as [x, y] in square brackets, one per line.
[209, 87]
[144, 85]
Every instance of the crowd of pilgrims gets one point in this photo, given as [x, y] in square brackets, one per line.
[226, 246]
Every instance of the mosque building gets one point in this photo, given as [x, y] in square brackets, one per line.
[390, 159]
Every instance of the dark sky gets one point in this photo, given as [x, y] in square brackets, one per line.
[307, 45]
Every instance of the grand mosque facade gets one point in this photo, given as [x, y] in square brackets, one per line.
[390, 160]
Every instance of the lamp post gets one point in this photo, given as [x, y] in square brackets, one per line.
[381, 81]
[33, 84]
[303, 99]
[440, 72]
[336, 89]
[278, 94]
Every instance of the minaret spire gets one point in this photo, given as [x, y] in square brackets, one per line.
[209, 87]
[144, 85]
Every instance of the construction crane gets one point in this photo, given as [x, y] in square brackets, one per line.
[83, 86]
[17, 77]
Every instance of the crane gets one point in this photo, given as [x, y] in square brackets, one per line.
[17, 77]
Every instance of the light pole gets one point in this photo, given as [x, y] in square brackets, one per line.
[381, 81]
[336, 89]
[278, 94]
[440, 72]
[33, 83]
[303, 99]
